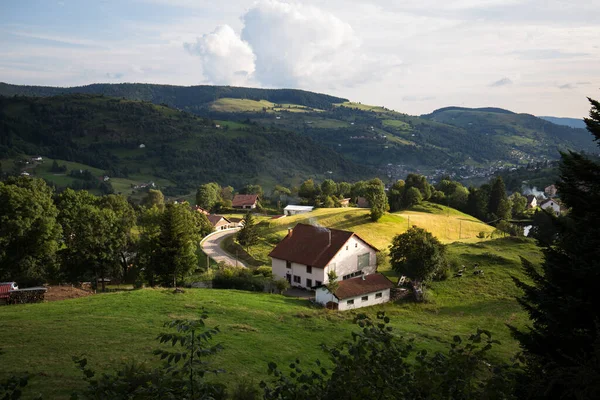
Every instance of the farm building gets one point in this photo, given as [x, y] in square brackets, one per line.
[219, 222]
[531, 201]
[345, 202]
[550, 191]
[307, 254]
[362, 291]
[362, 202]
[551, 204]
[245, 201]
[293, 210]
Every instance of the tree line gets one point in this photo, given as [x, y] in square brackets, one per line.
[75, 236]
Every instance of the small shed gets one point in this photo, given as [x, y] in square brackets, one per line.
[294, 209]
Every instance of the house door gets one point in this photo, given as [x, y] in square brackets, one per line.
[288, 277]
[331, 305]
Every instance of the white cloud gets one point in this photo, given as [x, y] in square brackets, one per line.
[287, 45]
[226, 58]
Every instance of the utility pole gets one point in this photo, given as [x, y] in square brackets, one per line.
[408, 226]
[460, 231]
[236, 257]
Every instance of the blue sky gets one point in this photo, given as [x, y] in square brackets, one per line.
[535, 56]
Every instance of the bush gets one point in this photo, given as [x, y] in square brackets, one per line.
[240, 279]
[443, 273]
[265, 271]
[481, 235]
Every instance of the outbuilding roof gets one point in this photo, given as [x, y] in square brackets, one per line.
[312, 245]
[241, 200]
[362, 285]
[214, 219]
[292, 207]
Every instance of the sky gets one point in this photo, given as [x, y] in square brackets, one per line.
[533, 56]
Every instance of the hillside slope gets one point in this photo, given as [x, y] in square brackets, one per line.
[107, 133]
[453, 140]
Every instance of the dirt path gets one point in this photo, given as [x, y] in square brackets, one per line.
[212, 247]
[56, 293]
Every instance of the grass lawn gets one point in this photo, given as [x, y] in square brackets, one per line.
[255, 327]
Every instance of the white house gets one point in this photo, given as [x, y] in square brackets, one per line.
[362, 291]
[531, 201]
[307, 254]
[293, 210]
[551, 204]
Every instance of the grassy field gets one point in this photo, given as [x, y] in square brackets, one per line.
[445, 223]
[256, 328]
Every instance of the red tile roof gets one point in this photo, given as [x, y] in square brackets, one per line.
[241, 200]
[358, 286]
[311, 245]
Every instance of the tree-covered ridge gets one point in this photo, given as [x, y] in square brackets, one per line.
[107, 133]
[183, 97]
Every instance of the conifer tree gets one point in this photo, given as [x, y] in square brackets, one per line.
[562, 345]
[248, 236]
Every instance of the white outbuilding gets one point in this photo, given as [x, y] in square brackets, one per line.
[362, 291]
[293, 210]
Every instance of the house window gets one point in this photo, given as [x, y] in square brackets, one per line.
[364, 260]
[378, 295]
[318, 283]
[288, 264]
[355, 245]
[296, 279]
[346, 247]
[309, 269]
[364, 298]
[309, 283]
[352, 275]
[350, 302]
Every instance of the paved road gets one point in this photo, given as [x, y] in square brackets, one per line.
[211, 246]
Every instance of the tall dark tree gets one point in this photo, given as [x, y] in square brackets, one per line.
[208, 195]
[498, 204]
[178, 241]
[395, 195]
[29, 232]
[248, 235]
[477, 201]
[563, 343]
[420, 182]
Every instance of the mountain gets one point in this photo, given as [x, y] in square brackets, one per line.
[187, 98]
[459, 141]
[108, 134]
[572, 122]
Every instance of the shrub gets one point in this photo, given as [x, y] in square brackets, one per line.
[265, 271]
[481, 235]
[240, 279]
[281, 285]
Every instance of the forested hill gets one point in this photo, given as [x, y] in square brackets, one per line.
[107, 133]
[189, 98]
[513, 127]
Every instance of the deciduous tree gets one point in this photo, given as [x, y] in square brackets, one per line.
[29, 231]
[417, 254]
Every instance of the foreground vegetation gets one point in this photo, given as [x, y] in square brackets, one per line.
[256, 328]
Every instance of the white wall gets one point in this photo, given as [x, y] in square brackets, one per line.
[323, 296]
[358, 303]
[555, 207]
[280, 270]
[346, 261]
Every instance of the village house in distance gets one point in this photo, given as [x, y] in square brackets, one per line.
[308, 253]
[245, 201]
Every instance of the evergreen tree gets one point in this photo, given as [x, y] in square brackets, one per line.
[329, 187]
[563, 344]
[307, 190]
[248, 235]
[395, 195]
[420, 182]
[477, 201]
[498, 204]
[178, 242]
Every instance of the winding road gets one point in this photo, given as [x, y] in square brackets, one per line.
[211, 245]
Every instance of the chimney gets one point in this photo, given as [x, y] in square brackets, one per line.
[290, 230]
[328, 231]
[363, 277]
